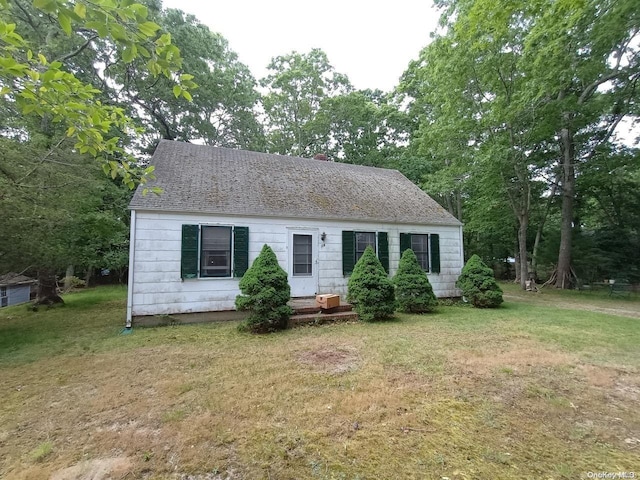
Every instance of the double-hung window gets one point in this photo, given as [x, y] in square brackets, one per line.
[420, 246]
[426, 246]
[213, 251]
[364, 240]
[355, 243]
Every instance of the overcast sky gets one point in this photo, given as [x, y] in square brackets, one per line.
[371, 42]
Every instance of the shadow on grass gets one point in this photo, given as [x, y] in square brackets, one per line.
[86, 317]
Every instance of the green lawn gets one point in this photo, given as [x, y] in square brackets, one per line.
[529, 390]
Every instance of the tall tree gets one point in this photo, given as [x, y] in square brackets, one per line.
[359, 126]
[43, 85]
[221, 111]
[57, 118]
[474, 124]
[58, 213]
[297, 86]
[584, 61]
[510, 92]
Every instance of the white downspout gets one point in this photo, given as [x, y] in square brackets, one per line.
[461, 248]
[132, 243]
[461, 254]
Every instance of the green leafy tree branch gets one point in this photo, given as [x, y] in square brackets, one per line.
[38, 85]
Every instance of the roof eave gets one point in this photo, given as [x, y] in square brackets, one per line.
[455, 223]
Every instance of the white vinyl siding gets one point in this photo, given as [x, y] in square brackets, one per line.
[158, 287]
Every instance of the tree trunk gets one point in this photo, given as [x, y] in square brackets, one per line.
[449, 200]
[522, 250]
[67, 278]
[534, 252]
[459, 205]
[517, 264]
[536, 243]
[88, 275]
[47, 288]
[563, 279]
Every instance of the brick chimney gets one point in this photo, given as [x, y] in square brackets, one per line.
[321, 156]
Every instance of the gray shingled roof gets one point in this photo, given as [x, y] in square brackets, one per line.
[203, 179]
[12, 278]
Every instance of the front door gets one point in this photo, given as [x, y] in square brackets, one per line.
[303, 258]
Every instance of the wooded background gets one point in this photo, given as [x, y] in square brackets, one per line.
[516, 118]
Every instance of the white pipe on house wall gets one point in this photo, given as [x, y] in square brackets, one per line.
[461, 249]
[132, 242]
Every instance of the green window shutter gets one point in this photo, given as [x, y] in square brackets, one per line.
[405, 242]
[240, 251]
[189, 263]
[383, 250]
[348, 251]
[435, 252]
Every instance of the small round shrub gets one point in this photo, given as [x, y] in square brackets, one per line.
[265, 293]
[414, 292]
[370, 290]
[478, 284]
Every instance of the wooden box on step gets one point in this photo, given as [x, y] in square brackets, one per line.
[328, 301]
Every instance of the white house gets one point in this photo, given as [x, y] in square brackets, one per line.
[191, 244]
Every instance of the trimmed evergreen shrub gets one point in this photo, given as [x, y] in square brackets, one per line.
[414, 292]
[478, 284]
[370, 290]
[265, 293]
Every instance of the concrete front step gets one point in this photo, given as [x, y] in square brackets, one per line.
[322, 318]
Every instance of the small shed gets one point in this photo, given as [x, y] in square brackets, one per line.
[15, 289]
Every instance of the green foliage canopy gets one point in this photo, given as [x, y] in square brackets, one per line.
[59, 213]
[219, 112]
[297, 86]
[509, 93]
[47, 88]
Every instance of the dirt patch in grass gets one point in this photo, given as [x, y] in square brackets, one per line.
[598, 376]
[520, 356]
[619, 384]
[98, 469]
[330, 359]
[627, 388]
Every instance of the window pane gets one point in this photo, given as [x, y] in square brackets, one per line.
[420, 246]
[364, 239]
[215, 254]
[302, 255]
